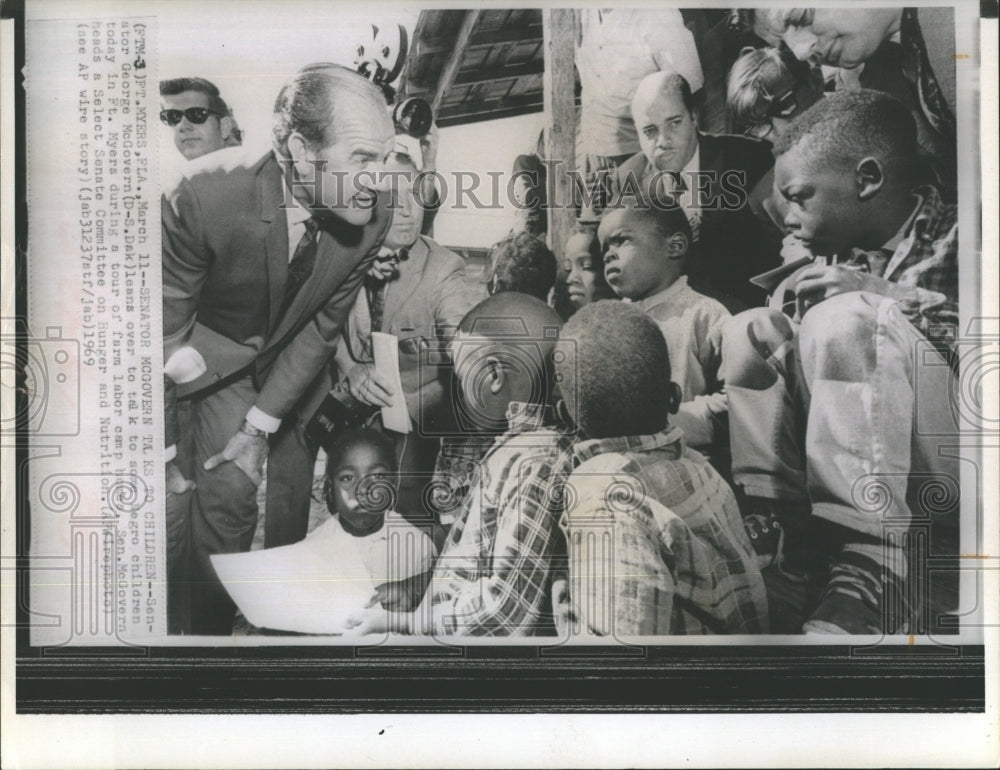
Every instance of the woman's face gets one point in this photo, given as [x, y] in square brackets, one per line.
[581, 270]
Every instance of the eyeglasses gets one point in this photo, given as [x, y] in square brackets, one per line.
[196, 115]
[783, 107]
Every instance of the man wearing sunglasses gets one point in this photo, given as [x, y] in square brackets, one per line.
[200, 119]
[262, 260]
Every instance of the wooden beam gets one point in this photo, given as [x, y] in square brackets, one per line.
[451, 66]
[559, 84]
[499, 73]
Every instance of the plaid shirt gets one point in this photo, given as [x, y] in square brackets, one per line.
[494, 574]
[656, 543]
[924, 258]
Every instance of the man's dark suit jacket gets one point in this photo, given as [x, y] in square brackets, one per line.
[733, 246]
[225, 264]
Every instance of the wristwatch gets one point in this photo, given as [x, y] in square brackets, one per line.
[250, 430]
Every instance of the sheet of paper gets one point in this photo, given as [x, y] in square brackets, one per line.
[302, 587]
[386, 351]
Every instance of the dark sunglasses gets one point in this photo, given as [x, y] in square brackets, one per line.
[782, 107]
[196, 115]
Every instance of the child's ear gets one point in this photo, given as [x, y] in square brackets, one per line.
[868, 178]
[563, 414]
[674, 396]
[677, 246]
[495, 374]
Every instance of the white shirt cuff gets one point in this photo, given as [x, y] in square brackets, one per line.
[262, 421]
[185, 365]
[170, 453]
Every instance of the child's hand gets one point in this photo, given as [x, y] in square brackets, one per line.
[793, 249]
[820, 282]
[373, 620]
[392, 596]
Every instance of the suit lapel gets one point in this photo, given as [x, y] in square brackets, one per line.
[709, 157]
[401, 289]
[270, 193]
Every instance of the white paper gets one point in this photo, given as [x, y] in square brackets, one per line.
[303, 587]
[386, 350]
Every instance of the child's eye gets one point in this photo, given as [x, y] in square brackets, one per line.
[345, 478]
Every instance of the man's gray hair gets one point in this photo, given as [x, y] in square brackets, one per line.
[307, 101]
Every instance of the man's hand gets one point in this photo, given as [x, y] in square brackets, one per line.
[247, 452]
[176, 483]
[368, 386]
[384, 268]
[820, 282]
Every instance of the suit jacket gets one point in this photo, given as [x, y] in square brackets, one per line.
[424, 304]
[733, 245]
[225, 265]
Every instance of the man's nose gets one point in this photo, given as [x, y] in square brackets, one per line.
[792, 221]
[376, 177]
[801, 42]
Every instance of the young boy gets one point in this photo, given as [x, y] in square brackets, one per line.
[656, 542]
[495, 572]
[823, 413]
[522, 263]
[360, 490]
[645, 248]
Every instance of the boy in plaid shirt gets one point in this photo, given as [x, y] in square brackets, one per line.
[823, 407]
[494, 575]
[656, 542]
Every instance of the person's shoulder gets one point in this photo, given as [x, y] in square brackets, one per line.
[441, 256]
[735, 147]
[223, 168]
[635, 165]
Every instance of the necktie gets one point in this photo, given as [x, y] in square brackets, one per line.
[375, 291]
[302, 264]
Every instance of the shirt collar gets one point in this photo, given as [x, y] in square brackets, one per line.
[671, 437]
[522, 417]
[296, 213]
[655, 300]
[893, 243]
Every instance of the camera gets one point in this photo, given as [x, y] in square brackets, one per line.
[47, 372]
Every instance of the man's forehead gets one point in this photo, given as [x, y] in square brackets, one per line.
[189, 98]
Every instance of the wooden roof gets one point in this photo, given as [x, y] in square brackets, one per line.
[476, 65]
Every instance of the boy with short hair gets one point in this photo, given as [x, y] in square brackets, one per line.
[522, 263]
[679, 560]
[494, 575]
[645, 249]
[823, 408]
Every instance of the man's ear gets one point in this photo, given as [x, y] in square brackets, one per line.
[869, 177]
[677, 246]
[225, 127]
[298, 151]
[495, 374]
[674, 396]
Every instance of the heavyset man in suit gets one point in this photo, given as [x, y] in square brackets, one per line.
[710, 177]
[262, 260]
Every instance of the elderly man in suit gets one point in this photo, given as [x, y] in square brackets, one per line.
[262, 261]
[420, 296]
[710, 177]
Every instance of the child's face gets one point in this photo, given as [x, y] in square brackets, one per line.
[635, 255]
[363, 484]
[581, 270]
[823, 210]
